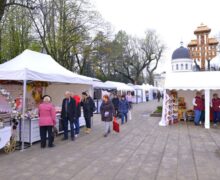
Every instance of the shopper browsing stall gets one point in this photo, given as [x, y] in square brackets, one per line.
[88, 108]
[78, 113]
[47, 119]
[68, 114]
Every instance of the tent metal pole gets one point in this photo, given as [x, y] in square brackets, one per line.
[23, 113]
[207, 108]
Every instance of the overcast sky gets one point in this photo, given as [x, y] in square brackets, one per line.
[174, 20]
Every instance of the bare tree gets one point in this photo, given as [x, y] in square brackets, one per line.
[152, 48]
[138, 54]
[5, 4]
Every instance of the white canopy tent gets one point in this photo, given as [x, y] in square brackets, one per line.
[101, 89]
[34, 66]
[99, 84]
[193, 81]
[31, 65]
[150, 90]
[120, 86]
[139, 93]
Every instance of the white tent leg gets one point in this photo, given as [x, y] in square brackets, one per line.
[163, 121]
[23, 113]
[207, 108]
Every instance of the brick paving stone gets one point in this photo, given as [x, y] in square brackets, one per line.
[141, 151]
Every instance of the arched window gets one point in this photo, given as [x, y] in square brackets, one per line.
[186, 66]
[177, 67]
[181, 66]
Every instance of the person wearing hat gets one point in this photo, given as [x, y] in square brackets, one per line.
[88, 108]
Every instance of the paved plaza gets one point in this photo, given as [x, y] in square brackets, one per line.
[141, 151]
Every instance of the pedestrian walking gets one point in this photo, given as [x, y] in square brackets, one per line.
[158, 96]
[88, 108]
[123, 109]
[107, 112]
[115, 102]
[68, 115]
[47, 120]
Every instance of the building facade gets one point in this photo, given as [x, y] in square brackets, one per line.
[203, 48]
[181, 61]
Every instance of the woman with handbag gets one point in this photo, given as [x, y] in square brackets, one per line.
[107, 112]
[47, 120]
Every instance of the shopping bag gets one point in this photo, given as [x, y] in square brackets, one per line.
[116, 126]
[129, 115]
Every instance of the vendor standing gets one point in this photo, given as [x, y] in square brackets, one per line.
[198, 106]
[216, 109]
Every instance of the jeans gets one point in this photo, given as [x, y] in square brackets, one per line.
[77, 128]
[107, 126]
[65, 128]
[197, 116]
[202, 117]
[216, 116]
[44, 130]
[88, 122]
[123, 116]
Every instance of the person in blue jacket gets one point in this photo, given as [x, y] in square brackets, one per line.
[123, 109]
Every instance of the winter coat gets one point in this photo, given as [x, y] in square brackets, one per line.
[115, 102]
[88, 107]
[199, 103]
[47, 115]
[107, 111]
[78, 105]
[71, 109]
[123, 106]
[216, 104]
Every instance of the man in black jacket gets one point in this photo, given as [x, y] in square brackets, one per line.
[68, 114]
[115, 102]
[88, 108]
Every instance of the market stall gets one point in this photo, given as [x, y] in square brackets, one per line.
[148, 92]
[139, 93]
[101, 89]
[122, 88]
[37, 71]
[185, 85]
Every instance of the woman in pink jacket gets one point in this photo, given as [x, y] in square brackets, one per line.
[47, 120]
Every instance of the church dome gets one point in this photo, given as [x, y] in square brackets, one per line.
[181, 53]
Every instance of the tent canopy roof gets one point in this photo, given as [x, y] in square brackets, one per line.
[100, 85]
[31, 65]
[192, 80]
[120, 86]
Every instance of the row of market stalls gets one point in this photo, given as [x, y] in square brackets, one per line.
[30, 75]
[179, 90]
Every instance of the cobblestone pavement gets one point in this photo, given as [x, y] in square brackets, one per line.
[141, 151]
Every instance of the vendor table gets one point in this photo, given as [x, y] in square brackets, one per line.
[5, 135]
[32, 130]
